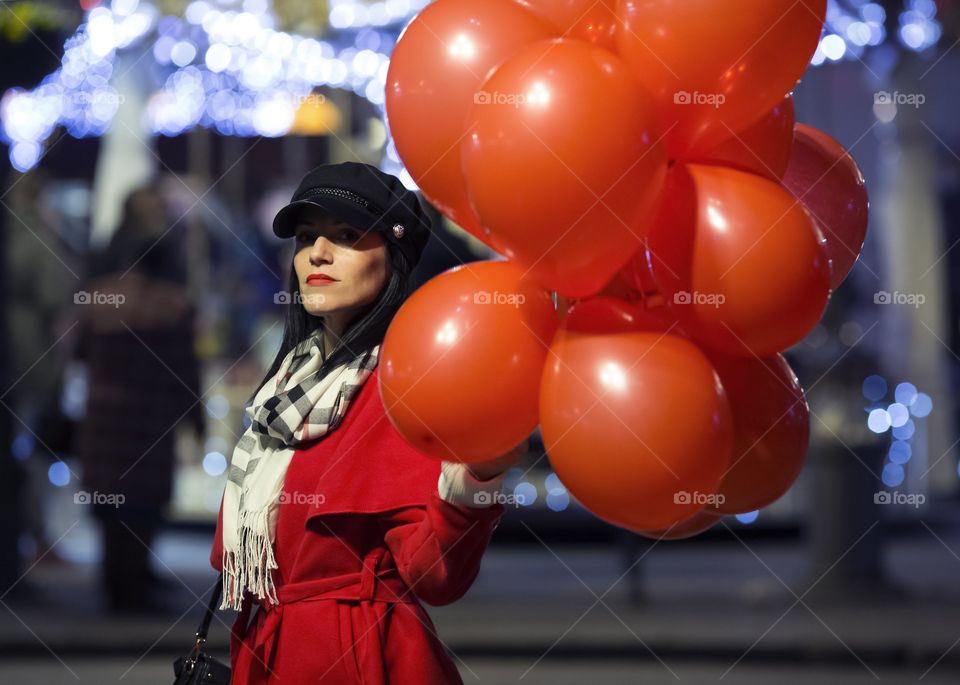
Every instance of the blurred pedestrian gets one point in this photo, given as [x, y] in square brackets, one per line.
[137, 338]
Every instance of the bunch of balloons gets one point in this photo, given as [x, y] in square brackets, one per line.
[640, 159]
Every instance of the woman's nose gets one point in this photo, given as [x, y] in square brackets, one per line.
[321, 250]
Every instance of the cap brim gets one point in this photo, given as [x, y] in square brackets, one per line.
[285, 222]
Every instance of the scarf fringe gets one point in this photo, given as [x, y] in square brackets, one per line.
[255, 551]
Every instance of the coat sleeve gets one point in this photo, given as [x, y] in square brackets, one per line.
[438, 547]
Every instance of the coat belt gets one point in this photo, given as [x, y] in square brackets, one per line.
[370, 584]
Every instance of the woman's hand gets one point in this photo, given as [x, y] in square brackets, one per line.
[485, 470]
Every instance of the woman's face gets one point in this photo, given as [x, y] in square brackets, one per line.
[356, 259]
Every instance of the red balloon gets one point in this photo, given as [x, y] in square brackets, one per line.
[739, 261]
[771, 418]
[826, 178]
[631, 421]
[688, 528]
[594, 21]
[763, 148]
[562, 165]
[461, 362]
[714, 70]
[440, 60]
[771, 431]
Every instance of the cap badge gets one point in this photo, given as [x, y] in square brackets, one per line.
[398, 230]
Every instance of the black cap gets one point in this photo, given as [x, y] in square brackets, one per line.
[366, 198]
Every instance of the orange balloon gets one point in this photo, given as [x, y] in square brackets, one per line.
[688, 528]
[826, 178]
[562, 164]
[460, 364]
[590, 20]
[713, 70]
[764, 148]
[739, 260]
[771, 431]
[440, 60]
[631, 421]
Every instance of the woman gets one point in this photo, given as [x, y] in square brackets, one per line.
[332, 527]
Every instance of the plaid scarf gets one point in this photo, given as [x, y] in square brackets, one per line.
[294, 407]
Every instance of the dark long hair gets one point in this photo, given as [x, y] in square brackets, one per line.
[362, 334]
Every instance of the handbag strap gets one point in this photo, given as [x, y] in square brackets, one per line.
[208, 616]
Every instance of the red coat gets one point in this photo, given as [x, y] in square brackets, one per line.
[362, 538]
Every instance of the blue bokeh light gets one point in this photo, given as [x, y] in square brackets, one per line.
[900, 452]
[905, 394]
[22, 446]
[922, 406]
[878, 421]
[874, 388]
[893, 475]
[59, 474]
[214, 463]
[906, 431]
[558, 500]
[525, 493]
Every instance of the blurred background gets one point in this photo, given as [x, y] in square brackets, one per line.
[145, 149]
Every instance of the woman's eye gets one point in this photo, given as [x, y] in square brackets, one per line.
[345, 235]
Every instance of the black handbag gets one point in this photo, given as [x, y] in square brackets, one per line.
[198, 667]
